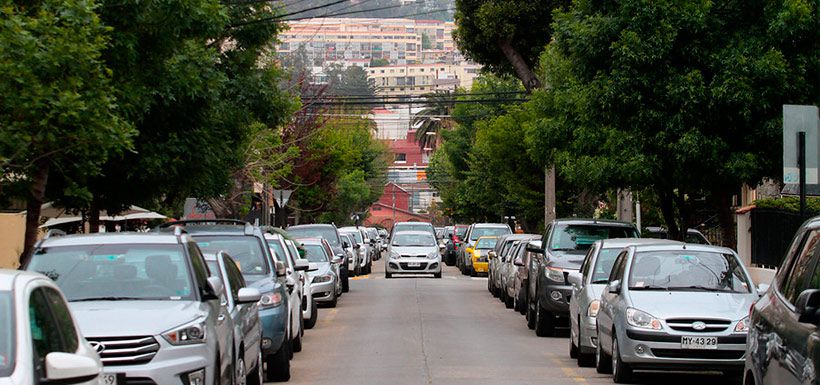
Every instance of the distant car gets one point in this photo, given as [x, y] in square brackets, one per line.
[39, 339]
[329, 233]
[413, 252]
[692, 235]
[146, 302]
[240, 307]
[324, 271]
[377, 241]
[482, 247]
[563, 246]
[295, 281]
[413, 226]
[476, 230]
[508, 270]
[309, 311]
[497, 257]
[784, 340]
[674, 307]
[366, 249]
[353, 258]
[587, 286]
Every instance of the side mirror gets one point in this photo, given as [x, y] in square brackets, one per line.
[614, 287]
[762, 288]
[68, 368]
[345, 245]
[249, 295]
[357, 247]
[301, 265]
[492, 254]
[216, 285]
[337, 260]
[384, 247]
[575, 279]
[518, 262]
[313, 266]
[441, 247]
[808, 306]
[534, 248]
[281, 271]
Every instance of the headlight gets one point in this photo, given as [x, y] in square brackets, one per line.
[433, 255]
[742, 326]
[594, 306]
[270, 300]
[322, 278]
[193, 333]
[554, 274]
[476, 254]
[394, 255]
[643, 320]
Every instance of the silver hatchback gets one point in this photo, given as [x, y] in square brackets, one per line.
[413, 252]
[674, 307]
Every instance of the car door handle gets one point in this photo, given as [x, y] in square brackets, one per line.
[221, 317]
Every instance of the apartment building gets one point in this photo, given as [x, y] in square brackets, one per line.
[420, 79]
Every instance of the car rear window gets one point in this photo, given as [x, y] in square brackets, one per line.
[479, 232]
[603, 265]
[325, 232]
[315, 253]
[247, 251]
[7, 334]
[581, 237]
[461, 231]
[486, 243]
[413, 227]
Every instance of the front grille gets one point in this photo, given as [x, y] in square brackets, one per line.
[699, 354]
[118, 351]
[482, 259]
[414, 256]
[685, 324]
[406, 266]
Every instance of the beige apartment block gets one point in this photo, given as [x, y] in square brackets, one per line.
[420, 79]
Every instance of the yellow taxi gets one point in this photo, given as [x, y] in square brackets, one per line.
[482, 247]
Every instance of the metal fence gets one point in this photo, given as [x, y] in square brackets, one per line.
[772, 233]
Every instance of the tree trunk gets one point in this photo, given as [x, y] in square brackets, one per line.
[34, 201]
[522, 69]
[668, 211]
[94, 216]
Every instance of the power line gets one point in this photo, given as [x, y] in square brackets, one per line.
[454, 101]
[280, 17]
[429, 97]
[379, 9]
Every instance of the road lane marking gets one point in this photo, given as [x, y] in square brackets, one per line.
[568, 371]
[331, 314]
[358, 277]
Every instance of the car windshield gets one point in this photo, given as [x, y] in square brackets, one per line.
[279, 252]
[413, 227]
[479, 232]
[581, 237]
[117, 272]
[315, 253]
[413, 240]
[461, 231]
[486, 243]
[325, 232]
[372, 233]
[684, 270]
[7, 334]
[357, 236]
[247, 251]
[603, 265]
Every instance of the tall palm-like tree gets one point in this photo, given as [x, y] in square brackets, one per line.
[433, 118]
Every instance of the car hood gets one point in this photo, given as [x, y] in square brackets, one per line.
[324, 268]
[414, 251]
[677, 304]
[134, 318]
[265, 285]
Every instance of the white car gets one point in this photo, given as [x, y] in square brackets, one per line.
[295, 283]
[310, 311]
[38, 336]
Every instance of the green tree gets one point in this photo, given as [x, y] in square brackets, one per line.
[350, 81]
[683, 97]
[58, 112]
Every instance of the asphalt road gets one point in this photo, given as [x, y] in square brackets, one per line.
[451, 331]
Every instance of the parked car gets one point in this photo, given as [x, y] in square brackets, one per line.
[413, 226]
[39, 339]
[587, 287]
[352, 254]
[508, 272]
[413, 252]
[309, 311]
[563, 245]
[246, 244]
[240, 310]
[295, 281]
[520, 276]
[324, 271]
[464, 261]
[692, 235]
[331, 234]
[366, 248]
[674, 307]
[784, 342]
[497, 256]
[482, 248]
[145, 302]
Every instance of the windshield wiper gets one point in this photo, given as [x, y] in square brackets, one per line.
[105, 299]
[699, 287]
[648, 287]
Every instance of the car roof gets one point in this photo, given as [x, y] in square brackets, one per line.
[517, 237]
[591, 221]
[658, 229]
[487, 236]
[110, 238]
[312, 225]
[309, 240]
[490, 225]
[414, 232]
[620, 243]
[676, 246]
[8, 278]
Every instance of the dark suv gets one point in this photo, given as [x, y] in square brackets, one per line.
[246, 244]
[331, 234]
[563, 246]
[783, 347]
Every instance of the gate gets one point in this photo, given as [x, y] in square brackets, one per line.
[772, 233]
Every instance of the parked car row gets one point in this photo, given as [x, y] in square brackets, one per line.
[635, 304]
[195, 302]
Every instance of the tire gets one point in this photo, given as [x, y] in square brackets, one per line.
[472, 272]
[278, 369]
[621, 371]
[297, 343]
[333, 302]
[437, 275]
[585, 360]
[345, 285]
[573, 348]
[388, 275]
[522, 301]
[603, 362]
[311, 322]
[509, 302]
[544, 322]
[255, 376]
[530, 318]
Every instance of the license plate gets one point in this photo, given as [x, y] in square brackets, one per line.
[414, 264]
[108, 379]
[697, 342]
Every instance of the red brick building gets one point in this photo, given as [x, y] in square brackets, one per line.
[392, 207]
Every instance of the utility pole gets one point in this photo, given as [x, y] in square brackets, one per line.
[393, 222]
[549, 194]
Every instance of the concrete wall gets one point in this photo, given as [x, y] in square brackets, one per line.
[12, 229]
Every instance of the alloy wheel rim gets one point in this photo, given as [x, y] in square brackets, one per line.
[241, 378]
[615, 355]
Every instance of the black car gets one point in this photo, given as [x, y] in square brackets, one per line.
[330, 233]
[783, 347]
[563, 246]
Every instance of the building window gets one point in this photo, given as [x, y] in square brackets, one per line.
[401, 158]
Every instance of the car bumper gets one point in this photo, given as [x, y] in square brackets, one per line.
[555, 299]
[170, 366]
[481, 267]
[652, 350]
[274, 325]
[323, 292]
[419, 266]
[587, 338]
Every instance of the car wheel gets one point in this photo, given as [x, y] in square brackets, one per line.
[255, 376]
[573, 348]
[621, 371]
[278, 365]
[530, 317]
[388, 275]
[523, 301]
[437, 275]
[311, 322]
[472, 272]
[544, 322]
[509, 302]
[333, 301]
[297, 343]
[603, 363]
[345, 285]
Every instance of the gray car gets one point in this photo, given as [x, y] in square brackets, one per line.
[323, 274]
[413, 252]
[674, 307]
[464, 254]
[587, 286]
[497, 257]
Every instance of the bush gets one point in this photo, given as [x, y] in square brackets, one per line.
[790, 204]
